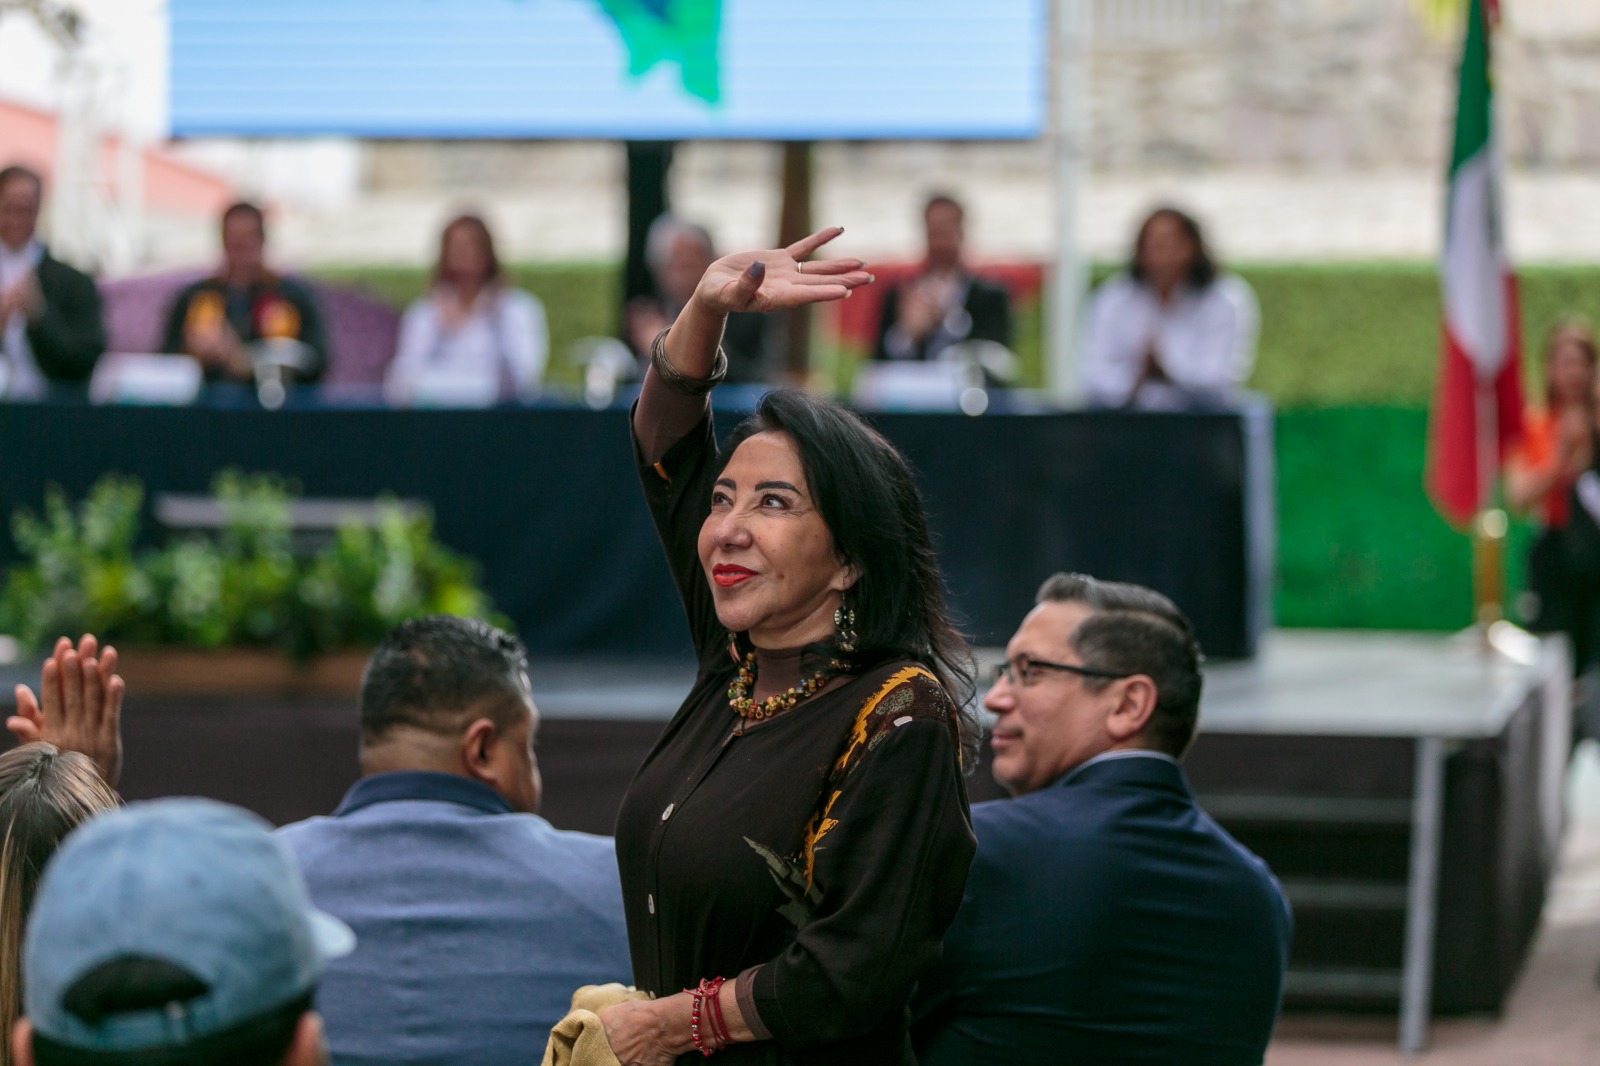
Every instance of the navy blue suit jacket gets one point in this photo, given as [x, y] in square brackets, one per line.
[1108, 919]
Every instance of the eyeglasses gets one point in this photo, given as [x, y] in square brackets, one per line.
[1022, 671]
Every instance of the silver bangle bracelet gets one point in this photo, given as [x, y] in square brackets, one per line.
[675, 379]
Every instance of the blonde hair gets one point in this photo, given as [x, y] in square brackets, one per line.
[45, 793]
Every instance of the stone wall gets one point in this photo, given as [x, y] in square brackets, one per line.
[1550, 70]
[1341, 85]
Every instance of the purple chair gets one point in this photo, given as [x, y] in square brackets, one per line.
[362, 330]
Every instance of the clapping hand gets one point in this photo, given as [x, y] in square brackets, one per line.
[1573, 442]
[23, 297]
[644, 319]
[779, 278]
[79, 707]
[1151, 368]
[217, 346]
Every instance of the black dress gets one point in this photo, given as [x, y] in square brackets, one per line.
[732, 860]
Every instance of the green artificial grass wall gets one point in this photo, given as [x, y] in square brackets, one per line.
[1358, 543]
[1335, 334]
[1347, 353]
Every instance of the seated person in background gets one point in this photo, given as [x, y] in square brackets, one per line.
[679, 253]
[1107, 919]
[1556, 446]
[46, 791]
[50, 325]
[217, 318]
[472, 333]
[175, 932]
[943, 303]
[477, 920]
[1173, 332]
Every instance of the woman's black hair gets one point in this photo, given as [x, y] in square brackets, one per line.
[864, 489]
[1202, 272]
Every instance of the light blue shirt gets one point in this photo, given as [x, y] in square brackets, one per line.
[474, 924]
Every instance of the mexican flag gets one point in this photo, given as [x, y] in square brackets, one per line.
[1477, 408]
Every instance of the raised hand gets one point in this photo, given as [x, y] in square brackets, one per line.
[79, 707]
[780, 277]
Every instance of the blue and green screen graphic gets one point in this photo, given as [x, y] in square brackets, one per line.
[638, 69]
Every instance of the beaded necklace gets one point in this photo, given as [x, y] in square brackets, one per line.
[745, 705]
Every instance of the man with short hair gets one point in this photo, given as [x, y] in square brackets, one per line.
[50, 324]
[477, 919]
[177, 933]
[217, 319]
[1107, 918]
[944, 303]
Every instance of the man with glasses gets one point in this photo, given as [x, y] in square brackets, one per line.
[1107, 918]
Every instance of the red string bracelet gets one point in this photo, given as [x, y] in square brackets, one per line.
[719, 1026]
[694, 1021]
[697, 1013]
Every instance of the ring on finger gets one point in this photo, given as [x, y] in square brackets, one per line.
[800, 267]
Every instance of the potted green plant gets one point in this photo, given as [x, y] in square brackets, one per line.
[238, 612]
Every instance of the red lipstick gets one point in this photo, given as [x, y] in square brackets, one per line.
[727, 576]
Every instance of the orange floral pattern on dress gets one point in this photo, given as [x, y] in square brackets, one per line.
[861, 733]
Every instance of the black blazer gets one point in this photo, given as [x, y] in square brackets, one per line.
[988, 308]
[242, 309]
[68, 338]
[1107, 921]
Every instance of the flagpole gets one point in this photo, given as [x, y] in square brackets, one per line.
[1489, 524]
[1069, 279]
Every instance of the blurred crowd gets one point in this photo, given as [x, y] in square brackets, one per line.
[1172, 330]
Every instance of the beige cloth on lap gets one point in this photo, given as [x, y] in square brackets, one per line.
[579, 1039]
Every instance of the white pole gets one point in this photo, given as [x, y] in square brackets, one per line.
[1069, 279]
[76, 163]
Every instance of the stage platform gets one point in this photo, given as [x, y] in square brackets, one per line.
[1406, 788]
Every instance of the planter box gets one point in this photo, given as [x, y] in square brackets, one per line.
[170, 671]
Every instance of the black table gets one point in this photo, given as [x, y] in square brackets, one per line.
[546, 499]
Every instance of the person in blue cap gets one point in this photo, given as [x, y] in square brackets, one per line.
[174, 933]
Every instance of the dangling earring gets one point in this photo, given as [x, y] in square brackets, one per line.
[844, 620]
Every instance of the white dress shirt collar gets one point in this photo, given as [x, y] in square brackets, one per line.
[1119, 753]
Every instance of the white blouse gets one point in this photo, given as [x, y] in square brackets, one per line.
[497, 353]
[1204, 339]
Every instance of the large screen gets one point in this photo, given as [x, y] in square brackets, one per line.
[632, 69]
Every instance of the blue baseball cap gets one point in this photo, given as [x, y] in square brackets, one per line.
[191, 886]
